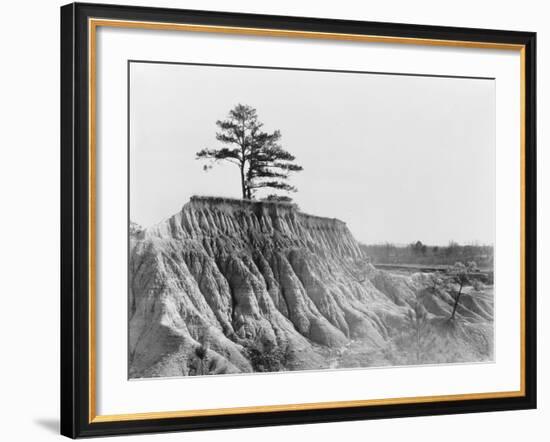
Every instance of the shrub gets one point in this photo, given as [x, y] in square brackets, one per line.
[268, 358]
[278, 198]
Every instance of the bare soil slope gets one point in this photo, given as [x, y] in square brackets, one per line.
[231, 286]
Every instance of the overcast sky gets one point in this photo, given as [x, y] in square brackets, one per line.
[398, 158]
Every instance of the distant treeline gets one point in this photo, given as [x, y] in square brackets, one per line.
[422, 254]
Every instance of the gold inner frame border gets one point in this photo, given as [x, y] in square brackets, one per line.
[93, 24]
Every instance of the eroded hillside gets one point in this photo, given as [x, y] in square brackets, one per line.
[230, 286]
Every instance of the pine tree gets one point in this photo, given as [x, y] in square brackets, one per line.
[261, 160]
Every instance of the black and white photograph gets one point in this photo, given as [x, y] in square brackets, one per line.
[304, 219]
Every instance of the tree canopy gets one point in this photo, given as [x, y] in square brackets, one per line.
[261, 160]
[454, 279]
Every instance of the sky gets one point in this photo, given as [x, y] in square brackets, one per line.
[398, 158]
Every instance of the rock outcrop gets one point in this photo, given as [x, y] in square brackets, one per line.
[231, 286]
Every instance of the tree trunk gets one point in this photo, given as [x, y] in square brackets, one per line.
[456, 301]
[243, 187]
[243, 160]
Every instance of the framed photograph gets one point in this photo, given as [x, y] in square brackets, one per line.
[274, 220]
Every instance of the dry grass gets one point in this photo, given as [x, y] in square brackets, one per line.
[260, 206]
[439, 341]
[242, 203]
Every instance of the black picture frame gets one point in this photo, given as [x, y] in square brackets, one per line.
[75, 220]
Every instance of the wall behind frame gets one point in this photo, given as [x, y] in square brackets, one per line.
[29, 183]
